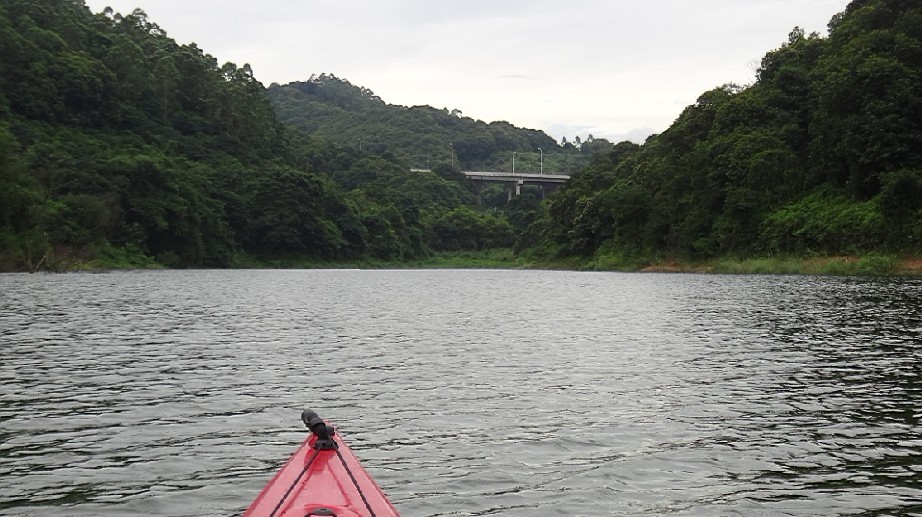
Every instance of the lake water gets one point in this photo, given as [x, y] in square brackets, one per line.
[519, 393]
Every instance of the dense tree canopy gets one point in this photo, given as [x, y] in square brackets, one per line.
[821, 154]
[116, 140]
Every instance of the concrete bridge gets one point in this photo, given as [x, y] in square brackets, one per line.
[514, 180]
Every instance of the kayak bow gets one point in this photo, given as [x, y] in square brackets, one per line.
[322, 478]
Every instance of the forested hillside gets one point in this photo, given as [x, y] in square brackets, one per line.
[120, 147]
[821, 155]
[118, 144]
[331, 108]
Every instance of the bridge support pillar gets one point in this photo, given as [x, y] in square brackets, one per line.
[514, 189]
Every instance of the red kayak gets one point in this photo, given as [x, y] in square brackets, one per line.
[322, 478]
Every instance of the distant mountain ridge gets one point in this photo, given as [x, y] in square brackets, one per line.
[335, 110]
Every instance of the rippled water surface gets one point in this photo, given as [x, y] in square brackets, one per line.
[464, 392]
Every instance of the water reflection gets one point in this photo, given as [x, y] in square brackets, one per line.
[466, 392]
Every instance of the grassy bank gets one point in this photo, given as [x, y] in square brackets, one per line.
[868, 265]
[486, 259]
[111, 258]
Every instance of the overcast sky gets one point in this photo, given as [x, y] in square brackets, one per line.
[601, 67]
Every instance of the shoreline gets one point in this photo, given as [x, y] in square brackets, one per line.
[841, 265]
[845, 265]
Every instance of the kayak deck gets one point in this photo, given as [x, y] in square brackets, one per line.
[322, 478]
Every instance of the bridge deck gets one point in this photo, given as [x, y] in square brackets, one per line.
[552, 177]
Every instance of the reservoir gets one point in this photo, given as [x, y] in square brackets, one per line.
[464, 392]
